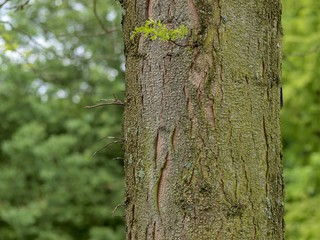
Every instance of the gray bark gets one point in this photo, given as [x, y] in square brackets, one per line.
[201, 124]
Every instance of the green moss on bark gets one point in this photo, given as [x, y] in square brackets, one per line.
[208, 123]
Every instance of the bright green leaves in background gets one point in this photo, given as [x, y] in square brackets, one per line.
[61, 61]
[301, 118]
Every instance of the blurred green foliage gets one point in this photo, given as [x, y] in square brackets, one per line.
[301, 118]
[55, 58]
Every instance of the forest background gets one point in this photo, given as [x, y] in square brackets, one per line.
[56, 57]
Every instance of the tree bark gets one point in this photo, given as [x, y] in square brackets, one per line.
[201, 124]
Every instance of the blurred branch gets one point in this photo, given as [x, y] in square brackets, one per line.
[114, 101]
[21, 6]
[302, 54]
[115, 209]
[100, 22]
[97, 17]
[96, 34]
[16, 7]
[2, 4]
[102, 104]
[108, 144]
[121, 139]
[49, 49]
[87, 34]
[37, 44]
[45, 49]
[32, 40]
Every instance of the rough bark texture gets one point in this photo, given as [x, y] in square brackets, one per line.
[201, 124]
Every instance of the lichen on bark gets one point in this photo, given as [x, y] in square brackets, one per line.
[206, 120]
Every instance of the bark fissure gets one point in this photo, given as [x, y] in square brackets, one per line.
[154, 231]
[173, 138]
[267, 153]
[162, 182]
[254, 228]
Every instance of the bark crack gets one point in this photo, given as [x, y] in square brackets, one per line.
[245, 174]
[223, 191]
[210, 112]
[154, 230]
[147, 232]
[165, 66]
[173, 138]
[267, 152]
[161, 185]
[254, 228]
[221, 81]
[142, 97]
[157, 149]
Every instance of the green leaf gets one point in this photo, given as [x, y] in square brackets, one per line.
[160, 31]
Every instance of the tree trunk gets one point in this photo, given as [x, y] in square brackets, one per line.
[201, 124]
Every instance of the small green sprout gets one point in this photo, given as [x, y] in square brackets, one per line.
[159, 31]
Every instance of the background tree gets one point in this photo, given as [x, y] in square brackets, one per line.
[202, 123]
[301, 118]
[55, 60]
